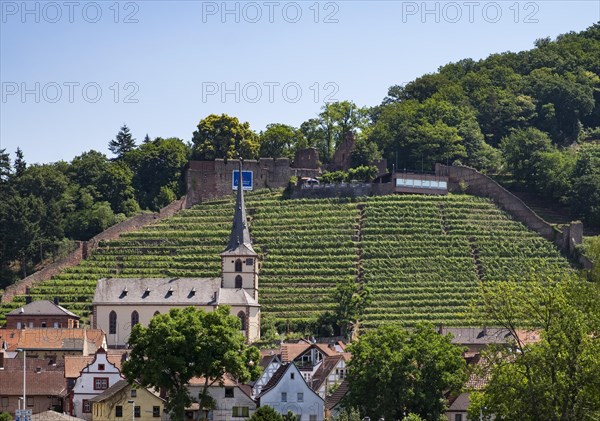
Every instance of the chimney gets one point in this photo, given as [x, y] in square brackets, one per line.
[28, 299]
[56, 300]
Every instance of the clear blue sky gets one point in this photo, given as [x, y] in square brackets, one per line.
[71, 75]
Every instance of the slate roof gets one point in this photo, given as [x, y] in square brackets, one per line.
[42, 308]
[169, 291]
[38, 339]
[239, 240]
[460, 403]
[337, 396]
[176, 291]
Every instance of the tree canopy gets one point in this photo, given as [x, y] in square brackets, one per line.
[394, 371]
[187, 343]
[553, 379]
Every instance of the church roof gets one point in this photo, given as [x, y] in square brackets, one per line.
[169, 291]
[239, 240]
[175, 291]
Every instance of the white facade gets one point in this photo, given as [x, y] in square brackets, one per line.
[95, 378]
[231, 402]
[266, 375]
[334, 377]
[291, 393]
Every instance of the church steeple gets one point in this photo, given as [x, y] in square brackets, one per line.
[239, 240]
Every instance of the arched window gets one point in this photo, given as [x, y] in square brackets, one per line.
[238, 265]
[238, 281]
[156, 313]
[112, 323]
[242, 316]
[135, 318]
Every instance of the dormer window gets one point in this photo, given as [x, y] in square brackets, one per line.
[146, 293]
[193, 291]
[169, 292]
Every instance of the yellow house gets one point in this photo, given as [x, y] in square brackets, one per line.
[122, 402]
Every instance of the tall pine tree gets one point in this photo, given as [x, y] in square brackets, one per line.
[20, 164]
[122, 143]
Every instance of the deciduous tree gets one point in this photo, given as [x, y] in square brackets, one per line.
[187, 343]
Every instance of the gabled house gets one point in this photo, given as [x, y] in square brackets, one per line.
[45, 386]
[333, 402]
[330, 374]
[41, 314]
[288, 391]
[74, 364]
[51, 344]
[121, 401]
[94, 379]
[270, 362]
[307, 356]
[233, 400]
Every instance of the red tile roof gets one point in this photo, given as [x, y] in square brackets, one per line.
[52, 339]
[42, 378]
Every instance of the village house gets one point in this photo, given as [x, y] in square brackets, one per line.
[94, 379]
[50, 344]
[232, 399]
[41, 314]
[74, 364]
[330, 374]
[122, 401]
[45, 386]
[288, 391]
[120, 304]
[307, 356]
[270, 361]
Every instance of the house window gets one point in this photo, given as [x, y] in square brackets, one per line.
[156, 313]
[249, 262]
[112, 323]
[156, 412]
[292, 376]
[238, 265]
[240, 411]
[283, 397]
[87, 406]
[30, 401]
[135, 318]
[238, 281]
[56, 325]
[118, 411]
[4, 401]
[43, 323]
[137, 411]
[458, 417]
[300, 397]
[134, 393]
[312, 418]
[229, 392]
[101, 367]
[100, 383]
[242, 316]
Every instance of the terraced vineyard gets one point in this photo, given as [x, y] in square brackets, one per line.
[421, 255]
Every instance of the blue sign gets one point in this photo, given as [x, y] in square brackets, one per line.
[247, 179]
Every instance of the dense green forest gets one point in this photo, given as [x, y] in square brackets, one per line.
[533, 116]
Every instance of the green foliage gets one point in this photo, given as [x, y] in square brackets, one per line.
[395, 371]
[363, 173]
[352, 299]
[186, 343]
[281, 141]
[555, 378]
[592, 251]
[224, 137]
[522, 151]
[412, 417]
[351, 414]
[266, 413]
[5, 416]
[122, 143]
[334, 177]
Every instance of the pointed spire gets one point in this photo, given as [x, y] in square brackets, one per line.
[240, 235]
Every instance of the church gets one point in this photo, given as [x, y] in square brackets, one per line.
[121, 303]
